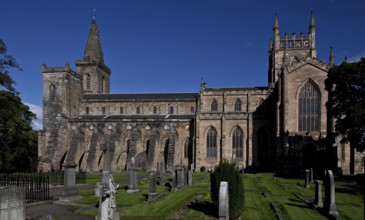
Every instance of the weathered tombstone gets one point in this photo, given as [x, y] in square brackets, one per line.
[70, 191]
[106, 154]
[306, 185]
[12, 203]
[132, 178]
[152, 194]
[318, 203]
[311, 175]
[180, 176]
[329, 198]
[106, 191]
[173, 180]
[190, 178]
[223, 201]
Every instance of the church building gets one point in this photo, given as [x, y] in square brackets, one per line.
[281, 127]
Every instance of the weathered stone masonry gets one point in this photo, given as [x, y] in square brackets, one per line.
[280, 127]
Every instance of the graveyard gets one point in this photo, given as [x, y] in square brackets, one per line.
[266, 196]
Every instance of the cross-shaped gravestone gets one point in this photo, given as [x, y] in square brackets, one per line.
[106, 152]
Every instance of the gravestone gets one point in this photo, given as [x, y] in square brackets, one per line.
[329, 198]
[190, 178]
[12, 203]
[132, 178]
[70, 191]
[152, 195]
[179, 176]
[173, 180]
[223, 201]
[318, 203]
[106, 191]
[306, 184]
[311, 175]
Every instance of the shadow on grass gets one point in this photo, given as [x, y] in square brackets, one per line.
[207, 208]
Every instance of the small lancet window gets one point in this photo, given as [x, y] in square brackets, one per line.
[154, 110]
[88, 84]
[171, 110]
[121, 110]
[192, 110]
[87, 110]
[52, 91]
[237, 105]
[103, 110]
[138, 110]
[214, 105]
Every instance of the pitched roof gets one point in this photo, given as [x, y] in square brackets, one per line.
[143, 97]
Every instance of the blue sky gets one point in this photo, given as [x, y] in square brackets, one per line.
[169, 45]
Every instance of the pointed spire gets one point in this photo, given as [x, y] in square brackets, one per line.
[276, 22]
[93, 50]
[311, 22]
[332, 57]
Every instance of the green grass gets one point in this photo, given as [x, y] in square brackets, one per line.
[195, 202]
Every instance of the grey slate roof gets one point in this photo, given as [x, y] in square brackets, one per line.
[143, 97]
[132, 117]
[236, 89]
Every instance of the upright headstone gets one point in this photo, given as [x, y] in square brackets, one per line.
[132, 177]
[12, 203]
[223, 201]
[190, 177]
[318, 203]
[311, 175]
[152, 193]
[70, 191]
[173, 181]
[306, 184]
[180, 176]
[106, 191]
[329, 198]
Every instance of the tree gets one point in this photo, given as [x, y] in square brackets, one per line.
[227, 172]
[346, 104]
[7, 62]
[18, 141]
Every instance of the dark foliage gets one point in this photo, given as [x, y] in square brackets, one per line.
[7, 62]
[18, 141]
[227, 172]
[346, 86]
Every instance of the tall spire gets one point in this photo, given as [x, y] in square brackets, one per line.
[93, 50]
[332, 57]
[276, 33]
[311, 22]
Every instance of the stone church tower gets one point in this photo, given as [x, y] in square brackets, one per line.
[281, 127]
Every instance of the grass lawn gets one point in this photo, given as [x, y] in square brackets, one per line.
[261, 190]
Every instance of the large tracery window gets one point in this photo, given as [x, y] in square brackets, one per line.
[214, 105]
[237, 143]
[309, 108]
[212, 143]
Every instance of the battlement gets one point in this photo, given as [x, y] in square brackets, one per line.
[294, 42]
[65, 68]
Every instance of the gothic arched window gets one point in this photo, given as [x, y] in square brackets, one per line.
[214, 105]
[212, 143]
[192, 109]
[186, 148]
[154, 110]
[237, 105]
[138, 110]
[52, 91]
[103, 84]
[88, 84]
[237, 143]
[309, 108]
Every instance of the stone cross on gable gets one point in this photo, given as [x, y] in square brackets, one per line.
[106, 151]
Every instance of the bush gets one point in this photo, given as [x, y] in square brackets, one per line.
[227, 172]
